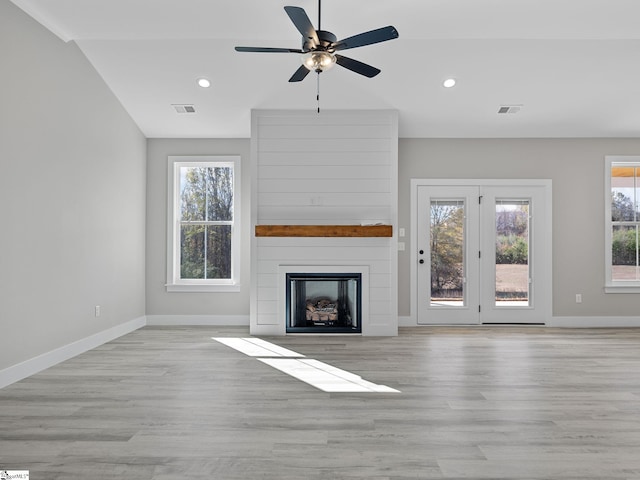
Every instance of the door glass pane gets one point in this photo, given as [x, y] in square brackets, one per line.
[447, 253]
[512, 253]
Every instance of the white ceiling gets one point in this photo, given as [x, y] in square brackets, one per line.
[574, 65]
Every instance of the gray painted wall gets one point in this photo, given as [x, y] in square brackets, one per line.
[159, 302]
[72, 196]
[576, 167]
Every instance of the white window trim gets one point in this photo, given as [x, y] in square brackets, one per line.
[617, 286]
[175, 284]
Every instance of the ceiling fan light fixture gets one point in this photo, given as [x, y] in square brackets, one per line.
[318, 61]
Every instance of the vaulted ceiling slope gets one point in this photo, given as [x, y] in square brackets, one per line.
[573, 66]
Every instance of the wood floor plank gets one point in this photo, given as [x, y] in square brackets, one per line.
[520, 403]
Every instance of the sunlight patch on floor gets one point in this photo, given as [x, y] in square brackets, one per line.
[324, 376]
[313, 372]
[255, 347]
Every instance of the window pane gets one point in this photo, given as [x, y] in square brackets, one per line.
[218, 251]
[447, 253]
[624, 253]
[219, 185]
[193, 193]
[206, 193]
[624, 194]
[512, 253]
[192, 251]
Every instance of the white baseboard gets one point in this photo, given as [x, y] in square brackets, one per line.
[380, 331]
[407, 322]
[563, 322]
[594, 322]
[192, 320]
[267, 330]
[34, 365]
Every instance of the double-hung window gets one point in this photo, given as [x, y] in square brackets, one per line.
[622, 214]
[203, 225]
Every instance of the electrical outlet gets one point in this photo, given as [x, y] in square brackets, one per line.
[578, 298]
[97, 310]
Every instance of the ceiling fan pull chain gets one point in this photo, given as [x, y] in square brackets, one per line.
[318, 92]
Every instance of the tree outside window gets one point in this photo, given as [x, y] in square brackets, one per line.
[203, 241]
[206, 207]
[447, 249]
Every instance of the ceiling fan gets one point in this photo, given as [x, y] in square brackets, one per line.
[319, 46]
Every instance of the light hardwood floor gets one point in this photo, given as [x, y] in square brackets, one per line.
[477, 403]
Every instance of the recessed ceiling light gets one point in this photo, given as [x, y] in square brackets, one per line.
[449, 83]
[204, 82]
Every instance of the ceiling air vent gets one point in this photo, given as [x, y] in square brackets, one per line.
[184, 108]
[509, 109]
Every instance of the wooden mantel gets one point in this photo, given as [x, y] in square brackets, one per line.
[324, 231]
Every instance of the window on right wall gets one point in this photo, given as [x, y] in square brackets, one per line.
[622, 215]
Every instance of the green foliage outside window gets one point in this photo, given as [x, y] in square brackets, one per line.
[206, 207]
[512, 236]
[512, 250]
[624, 246]
[447, 254]
[624, 239]
[447, 243]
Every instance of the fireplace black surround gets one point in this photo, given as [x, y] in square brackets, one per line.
[323, 302]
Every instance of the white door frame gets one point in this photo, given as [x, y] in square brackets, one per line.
[546, 274]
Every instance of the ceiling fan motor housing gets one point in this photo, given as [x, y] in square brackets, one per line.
[326, 40]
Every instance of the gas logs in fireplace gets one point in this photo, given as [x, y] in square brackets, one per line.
[323, 303]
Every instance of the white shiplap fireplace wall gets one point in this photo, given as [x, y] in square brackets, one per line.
[332, 168]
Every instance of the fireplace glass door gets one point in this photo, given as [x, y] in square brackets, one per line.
[323, 303]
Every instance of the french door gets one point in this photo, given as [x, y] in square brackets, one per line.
[483, 253]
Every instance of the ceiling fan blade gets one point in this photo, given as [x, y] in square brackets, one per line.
[301, 20]
[356, 66]
[268, 49]
[367, 38]
[299, 74]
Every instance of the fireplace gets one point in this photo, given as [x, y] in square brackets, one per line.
[323, 302]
